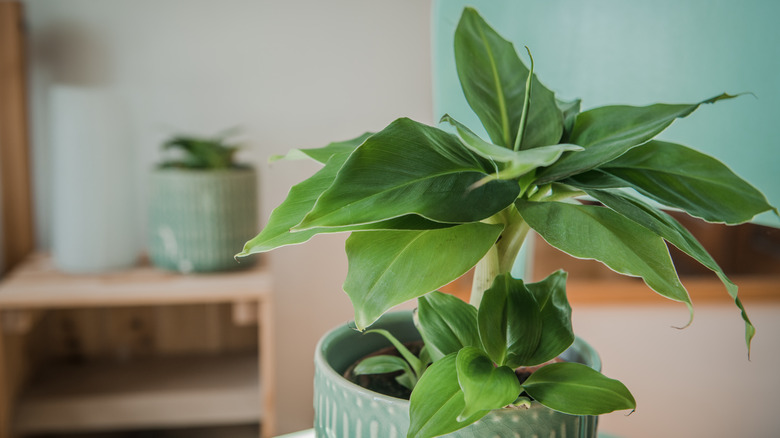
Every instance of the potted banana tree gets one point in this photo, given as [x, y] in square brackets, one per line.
[426, 204]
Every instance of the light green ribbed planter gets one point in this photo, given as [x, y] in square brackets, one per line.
[345, 410]
[199, 219]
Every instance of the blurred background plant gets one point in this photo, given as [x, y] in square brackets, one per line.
[195, 152]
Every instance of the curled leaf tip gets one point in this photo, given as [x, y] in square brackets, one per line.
[690, 318]
[748, 93]
[529, 55]
[352, 326]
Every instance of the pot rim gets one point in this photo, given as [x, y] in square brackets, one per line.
[584, 350]
[345, 330]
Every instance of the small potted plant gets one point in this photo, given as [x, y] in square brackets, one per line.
[424, 205]
[202, 205]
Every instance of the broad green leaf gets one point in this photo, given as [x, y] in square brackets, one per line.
[407, 380]
[413, 361]
[493, 80]
[532, 159]
[510, 323]
[446, 323]
[515, 163]
[324, 154]
[595, 179]
[410, 168]
[437, 400]
[555, 311]
[683, 178]
[387, 268]
[479, 146]
[577, 389]
[609, 131]
[381, 364]
[569, 110]
[425, 355]
[300, 201]
[674, 233]
[485, 387]
[592, 232]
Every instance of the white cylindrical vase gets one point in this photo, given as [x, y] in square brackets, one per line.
[94, 225]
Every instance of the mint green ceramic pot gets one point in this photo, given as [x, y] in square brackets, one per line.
[199, 219]
[345, 410]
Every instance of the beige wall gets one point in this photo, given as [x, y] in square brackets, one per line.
[695, 382]
[292, 73]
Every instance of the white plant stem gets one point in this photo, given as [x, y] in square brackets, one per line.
[501, 256]
[484, 273]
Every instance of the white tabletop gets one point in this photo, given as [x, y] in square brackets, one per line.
[302, 434]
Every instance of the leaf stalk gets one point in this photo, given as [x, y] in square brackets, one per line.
[526, 104]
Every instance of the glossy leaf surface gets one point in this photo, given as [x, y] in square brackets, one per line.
[446, 323]
[577, 389]
[410, 358]
[437, 400]
[514, 163]
[570, 110]
[683, 178]
[485, 387]
[381, 364]
[555, 311]
[667, 227]
[510, 324]
[300, 201]
[609, 131]
[598, 233]
[493, 80]
[410, 168]
[324, 154]
[387, 268]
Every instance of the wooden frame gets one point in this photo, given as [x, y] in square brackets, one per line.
[16, 232]
[17, 223]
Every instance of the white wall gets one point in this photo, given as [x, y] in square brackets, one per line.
[292, 73]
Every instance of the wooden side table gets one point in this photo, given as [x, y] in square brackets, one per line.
[139, 393]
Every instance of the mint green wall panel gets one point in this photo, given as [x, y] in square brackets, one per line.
[642, 52]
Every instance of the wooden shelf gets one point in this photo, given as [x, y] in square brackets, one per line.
[36, 283]
[144, 393]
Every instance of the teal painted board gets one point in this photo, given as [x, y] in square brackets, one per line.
[642, 52]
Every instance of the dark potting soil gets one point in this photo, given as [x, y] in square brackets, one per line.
[387, 385]
[384, 383]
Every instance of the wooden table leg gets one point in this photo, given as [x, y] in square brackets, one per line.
[5, 391]
[266, 360]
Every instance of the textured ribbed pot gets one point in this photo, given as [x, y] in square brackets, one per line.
[199, 219]
[345, 410]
